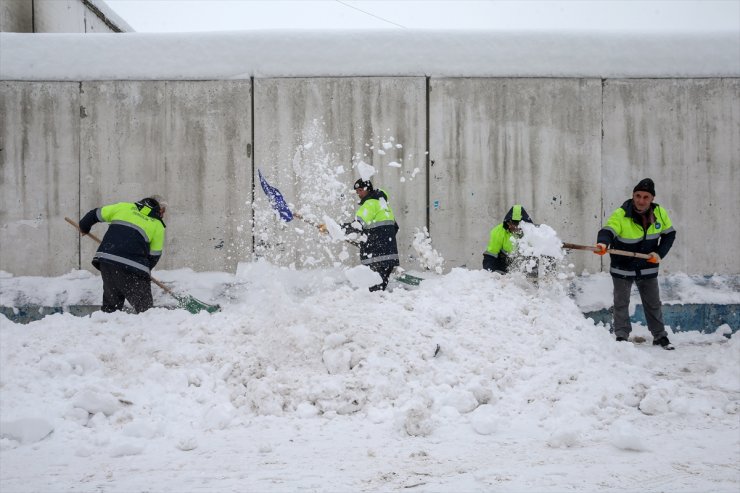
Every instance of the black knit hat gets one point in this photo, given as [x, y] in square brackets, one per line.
[366, 184]
[645, 185]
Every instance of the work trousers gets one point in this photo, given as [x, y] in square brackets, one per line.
[385, 271]
[121, 284]
[650, 296]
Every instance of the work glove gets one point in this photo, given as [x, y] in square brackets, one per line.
[654, 258]
[601, 249]
[322, 228]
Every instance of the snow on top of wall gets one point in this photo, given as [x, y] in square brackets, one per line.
[306, 53]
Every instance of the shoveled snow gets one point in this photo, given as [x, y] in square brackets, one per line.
[473, 381]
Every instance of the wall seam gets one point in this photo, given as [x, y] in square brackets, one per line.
[601, 163]
[99, 13]
[428, 156]
[80, 91]
[251, 127]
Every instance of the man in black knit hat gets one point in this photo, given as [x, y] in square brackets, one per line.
[640, 226]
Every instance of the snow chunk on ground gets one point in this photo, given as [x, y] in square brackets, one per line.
[362, 277]
[26, 430]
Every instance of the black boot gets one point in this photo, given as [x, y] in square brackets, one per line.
[664, 343]
[621, 339]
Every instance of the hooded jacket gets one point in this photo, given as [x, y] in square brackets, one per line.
[495, 258]
[375, 221]
[135, 237]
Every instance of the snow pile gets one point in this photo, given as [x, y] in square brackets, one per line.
[467, 356]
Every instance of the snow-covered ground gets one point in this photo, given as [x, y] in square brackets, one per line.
[304, 382]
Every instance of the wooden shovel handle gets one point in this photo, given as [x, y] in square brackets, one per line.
[97, 240]
[624, 253]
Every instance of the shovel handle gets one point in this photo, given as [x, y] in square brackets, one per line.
[298, 216]
[97, 240]
[624, 253]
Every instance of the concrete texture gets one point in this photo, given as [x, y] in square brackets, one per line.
[186, 141]
[498, 142]
[122, 139]
[308, 135]
[39, 177]
[208, 174]
[569, 150]
[685, 135]
[59, 16]
[16, 16]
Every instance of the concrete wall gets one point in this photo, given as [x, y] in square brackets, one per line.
[569, 150]
[16, 16]
[39, 176]
[498, 142]
[308, 135]
[184, 140]
[685, 135]
[57, 16]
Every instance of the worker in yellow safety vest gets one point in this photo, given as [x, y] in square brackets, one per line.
[130, 249]
[640, 226]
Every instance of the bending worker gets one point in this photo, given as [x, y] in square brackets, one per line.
[130, 249]
[496, 258]
[641, 226]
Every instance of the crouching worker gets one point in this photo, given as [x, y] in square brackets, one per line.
[130, 249]
[497, 258]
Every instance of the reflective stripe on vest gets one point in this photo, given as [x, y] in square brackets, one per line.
[122, 260]
[134, 226]
[632, 273]
[372, 260]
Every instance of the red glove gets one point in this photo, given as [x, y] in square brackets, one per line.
[600, 249]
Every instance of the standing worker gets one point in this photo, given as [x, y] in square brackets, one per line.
[375, 221]
[496, 257]
[130, 249]
[640, 226]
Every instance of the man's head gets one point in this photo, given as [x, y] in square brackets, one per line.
[643, 194]
[363, 187]
[516, 215]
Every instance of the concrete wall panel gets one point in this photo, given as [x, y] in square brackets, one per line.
[59, 16]
[308, 133]
[39, 151]
[184, 140]
[497, 142]
[123, 140]
[685, 135]
[16, 16]
[208, 174]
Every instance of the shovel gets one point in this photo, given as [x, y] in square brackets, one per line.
[625, 253]
[189, 303]
[277, 201]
